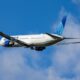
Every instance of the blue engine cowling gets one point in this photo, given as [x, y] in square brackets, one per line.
[6, 43]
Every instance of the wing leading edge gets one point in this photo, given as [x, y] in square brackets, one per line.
[14, 40]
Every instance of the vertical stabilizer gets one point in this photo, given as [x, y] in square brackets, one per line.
[61, 26]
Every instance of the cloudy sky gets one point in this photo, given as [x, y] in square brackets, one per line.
[58, 62]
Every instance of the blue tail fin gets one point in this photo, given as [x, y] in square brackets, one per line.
[61, 26]
[0, 37]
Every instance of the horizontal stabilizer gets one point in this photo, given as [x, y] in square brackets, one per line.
[67, 43]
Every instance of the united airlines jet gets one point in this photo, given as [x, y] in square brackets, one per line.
[35, 41]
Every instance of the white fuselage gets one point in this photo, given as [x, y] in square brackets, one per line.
[33, 40]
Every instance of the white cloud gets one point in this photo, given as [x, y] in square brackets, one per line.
[66, 58]
[21, 64]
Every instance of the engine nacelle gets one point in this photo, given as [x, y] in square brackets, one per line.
[38, 48]
[8, 43]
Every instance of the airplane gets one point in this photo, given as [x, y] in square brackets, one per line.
[37, 42]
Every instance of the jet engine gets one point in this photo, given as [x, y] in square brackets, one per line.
[38, 48]
[8, 43]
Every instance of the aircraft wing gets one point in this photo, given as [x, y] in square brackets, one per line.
[54, 36]
[14, 40]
